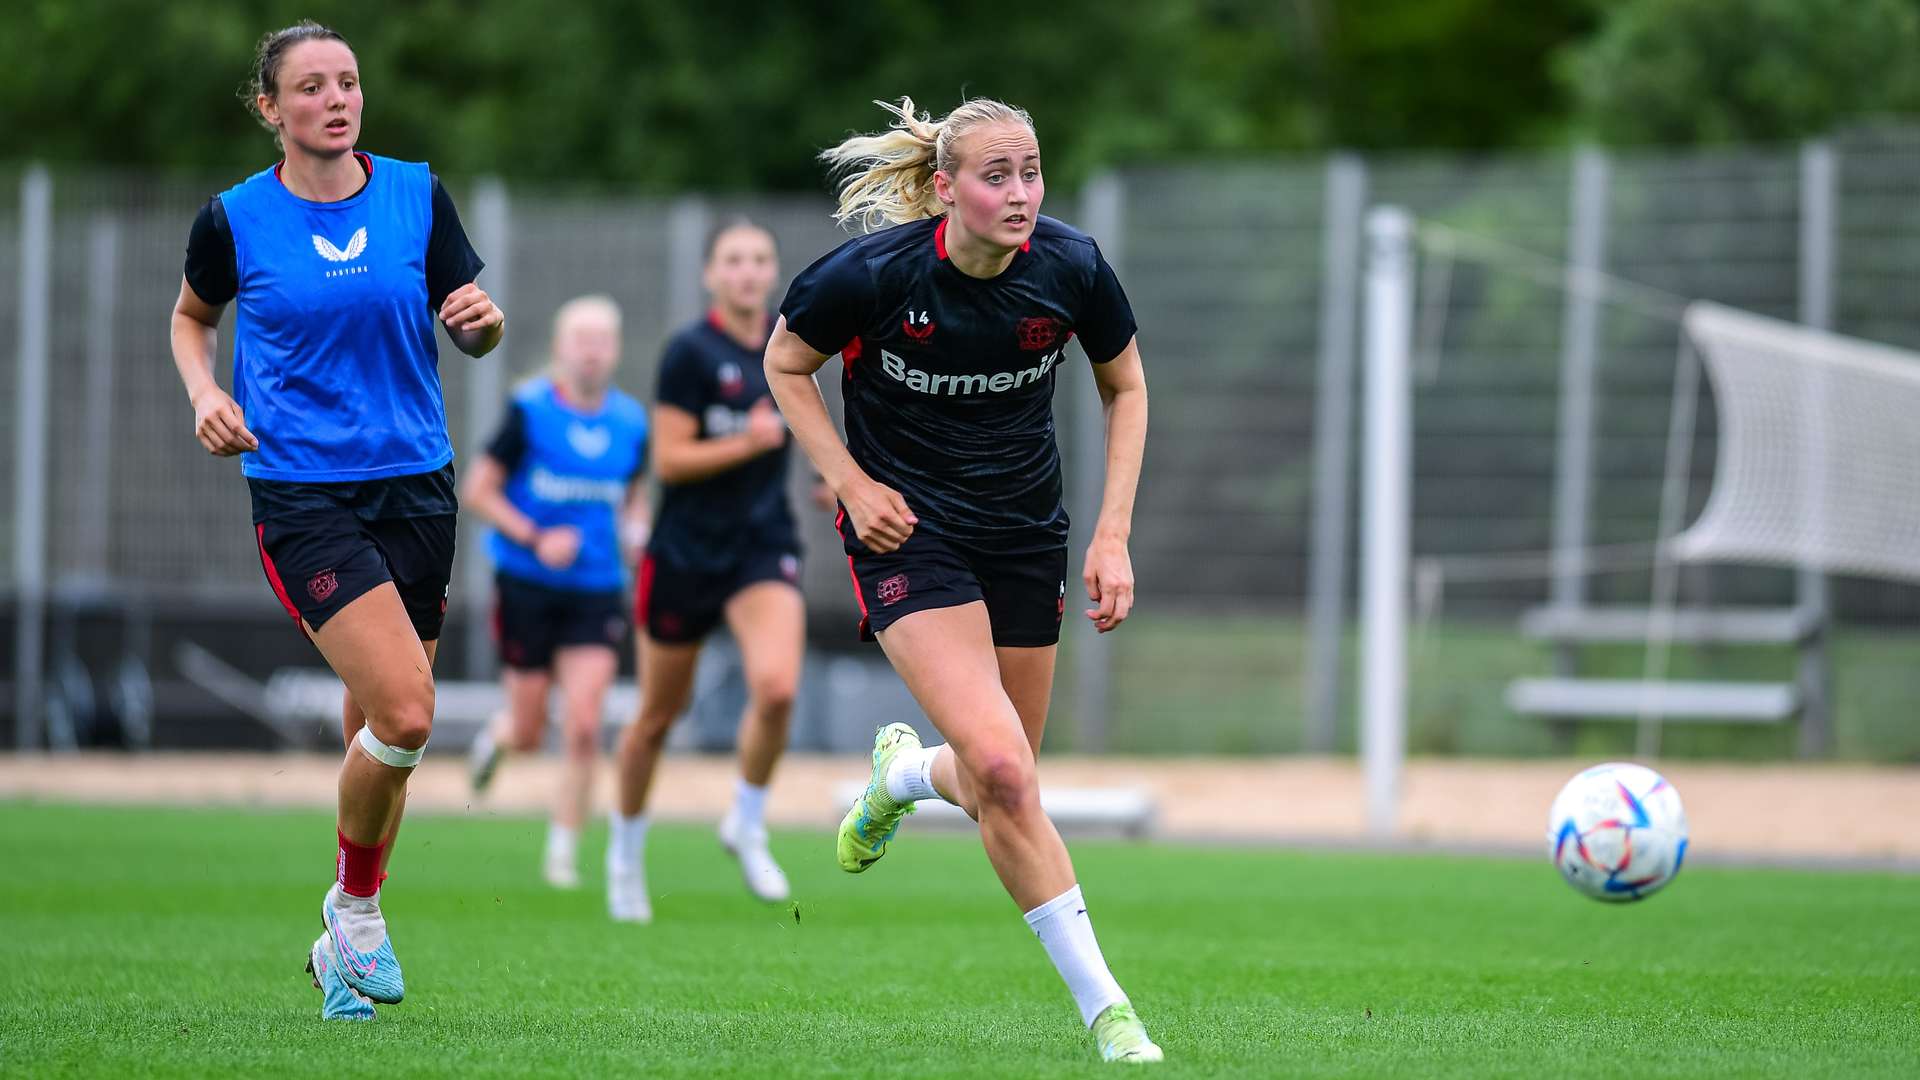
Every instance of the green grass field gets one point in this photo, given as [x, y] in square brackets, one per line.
[170, 943]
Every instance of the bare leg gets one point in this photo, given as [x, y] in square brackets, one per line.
[769, 622]
[1027, 677]
[352, 719]
[947, 660]
[371, 645]
[584, 673]
[666, 685]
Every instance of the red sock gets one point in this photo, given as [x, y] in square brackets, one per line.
[360, 867]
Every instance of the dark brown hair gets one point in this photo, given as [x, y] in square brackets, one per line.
[732, 222]
[267, 55]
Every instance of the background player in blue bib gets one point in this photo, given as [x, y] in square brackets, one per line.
[561, 483]
[724, 547]
[340, 263]
[952, 326]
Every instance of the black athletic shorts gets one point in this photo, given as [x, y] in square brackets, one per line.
[319, 561]
[679, 605]
[530, 621]
[1025, 594]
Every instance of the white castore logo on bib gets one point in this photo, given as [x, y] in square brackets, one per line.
[356, 246]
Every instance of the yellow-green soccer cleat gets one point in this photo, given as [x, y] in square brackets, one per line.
[1122, 1037]
[875, 817]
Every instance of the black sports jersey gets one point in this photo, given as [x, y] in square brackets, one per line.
[710, 525]
[948, 379]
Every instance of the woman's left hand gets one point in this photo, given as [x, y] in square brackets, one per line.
[469, 308]
[1109, 578]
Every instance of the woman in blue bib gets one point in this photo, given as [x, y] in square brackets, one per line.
[561, 483]
[340, 263]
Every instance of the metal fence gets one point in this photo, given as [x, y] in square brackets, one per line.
[1236, 272]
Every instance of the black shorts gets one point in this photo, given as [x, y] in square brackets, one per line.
[679, 605]
[530, 621]
[319, 561]
[1025, 594]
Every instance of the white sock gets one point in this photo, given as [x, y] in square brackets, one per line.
[628, 841]
[1067, 933]
[749, 805]
[562, 843]
[359, 918]
[910, 775]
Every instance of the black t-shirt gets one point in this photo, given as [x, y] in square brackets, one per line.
[710, 525]
[948, 379]
[214, 275]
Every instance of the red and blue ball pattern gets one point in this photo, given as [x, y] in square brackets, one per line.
[1617, 832]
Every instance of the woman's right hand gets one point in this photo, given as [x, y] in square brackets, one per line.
[220, 426]
[556, 548]
[765, 429]
[880, 516]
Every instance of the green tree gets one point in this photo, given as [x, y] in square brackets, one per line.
[1718, 71]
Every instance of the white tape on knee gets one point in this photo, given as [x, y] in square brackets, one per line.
[387, 755]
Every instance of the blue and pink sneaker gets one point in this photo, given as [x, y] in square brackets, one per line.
[375, 972]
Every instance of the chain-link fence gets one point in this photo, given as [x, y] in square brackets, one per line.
[1229, 268]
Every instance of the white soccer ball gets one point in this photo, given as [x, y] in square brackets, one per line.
[1617, 832]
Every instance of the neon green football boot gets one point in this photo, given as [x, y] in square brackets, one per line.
[875, 817]
[1122, 1037]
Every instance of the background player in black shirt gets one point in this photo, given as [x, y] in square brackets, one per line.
[951, 325]
[724, 547]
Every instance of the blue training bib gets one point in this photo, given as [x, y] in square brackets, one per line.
[335, 364]
[575, 471]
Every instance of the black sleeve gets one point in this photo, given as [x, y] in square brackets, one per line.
[640, 461]
[829, 304]
[684, 383]
[451, 260]
[509, 444]
[211, 270]
[1105, 323]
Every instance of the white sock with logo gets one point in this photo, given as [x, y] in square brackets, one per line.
[627, 841]
[910, 776]
[749, 805]
[1067, 933]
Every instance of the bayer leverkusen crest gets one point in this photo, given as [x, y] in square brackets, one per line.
[1037, 334]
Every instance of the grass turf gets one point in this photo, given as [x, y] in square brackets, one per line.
[170, 942]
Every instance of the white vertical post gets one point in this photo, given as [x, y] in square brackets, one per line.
[687, 223]
[1103, 212]
[486, 389]
[1817, 261]
[1579, 341]
[1333, 447]
[1387, 510]
[96, 492]
[30, 398]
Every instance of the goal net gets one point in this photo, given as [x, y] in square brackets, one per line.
[1818, 447]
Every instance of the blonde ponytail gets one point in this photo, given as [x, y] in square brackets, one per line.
[888, 178]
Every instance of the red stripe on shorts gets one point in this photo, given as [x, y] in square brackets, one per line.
[643, 591]
[273, 575]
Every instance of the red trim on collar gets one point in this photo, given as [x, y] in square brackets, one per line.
[940, 240]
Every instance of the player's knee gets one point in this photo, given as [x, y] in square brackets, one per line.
[773, 695]
[526, 738]
[406, 724]
[583, 736]
[652, 727]
[1004, 781]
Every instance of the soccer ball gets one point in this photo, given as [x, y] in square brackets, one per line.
[1617, 832]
